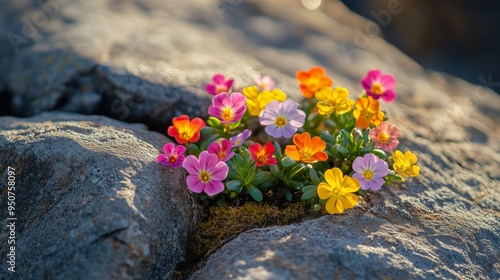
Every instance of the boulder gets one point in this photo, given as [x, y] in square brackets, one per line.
[91, 201]
[147, 61]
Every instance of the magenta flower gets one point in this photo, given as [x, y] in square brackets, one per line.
[239, 139]
[206, 173]
[222, 150]
[384, 136]
[220, 84]
[370, 171]
[377, 85]
[282, 119]
[264, 83]
[228, 108]
[173, 157]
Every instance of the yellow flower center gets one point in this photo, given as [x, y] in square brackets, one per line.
[383, 137]
[377, 88]
[173, 159]
[204, 176]
[280, 121]
[185, 136]
[221, 155]
[368, 174]
[262, 159]
[227, 114]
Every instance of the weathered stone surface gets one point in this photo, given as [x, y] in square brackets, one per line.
[91, 201]
[443, 224]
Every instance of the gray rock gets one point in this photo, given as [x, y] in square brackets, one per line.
[91, 201]
[147, 61]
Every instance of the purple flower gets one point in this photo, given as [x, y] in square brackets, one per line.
[173, 156]
[222, 150]
[206, 173]
[377, 85]
[282, 119]
[228, 108]
[239, 139]
[370, 171]
[264, 83]
[220, 84]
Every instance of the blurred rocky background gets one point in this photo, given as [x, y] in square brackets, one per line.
[76, 76]
[460, 37]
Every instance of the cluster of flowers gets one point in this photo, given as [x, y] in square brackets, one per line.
[341, 148]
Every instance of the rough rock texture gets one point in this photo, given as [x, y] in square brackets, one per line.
[147, 61]
[91, 201]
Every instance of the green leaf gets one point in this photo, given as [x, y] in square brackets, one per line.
[262, 177]
[267, 184]
[297, 170]
[378, 152]
[234, 185]
[309, 195]
[366, 149]
[296, 185]
[313, 175]
[193, 149]
[342, 150]
[327, 137]
[310, 188]
[346, 136]
[235, 125]
[316, 207]
[288, 196]
[287, 161]
[366, 136]
[277, 151]
[357, 135]
[208, 130]
[275, 170]
[255, 193]
[213, 122]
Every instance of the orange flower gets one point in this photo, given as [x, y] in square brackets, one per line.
[185, 130]
[306, 149]
[313, 80]
[368, 112]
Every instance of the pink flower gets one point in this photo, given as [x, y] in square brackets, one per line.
[240, 138]
[220, 84]
[173, 157]
[228, 108]
[264, 83]
[384, 135]
[222, 150]
[370, 171]
[377, 85]
[206, 173]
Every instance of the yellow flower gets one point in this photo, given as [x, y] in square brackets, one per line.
[368, 111]
[257, 101]
[338, 190]
[405, 165]
[331, 100]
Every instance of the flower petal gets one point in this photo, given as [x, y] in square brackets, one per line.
[220, 171]
[324, 190]
[350, 185]
[388, 81]
[214, 187]
[389, 95]
[334, 177]
[194, 183]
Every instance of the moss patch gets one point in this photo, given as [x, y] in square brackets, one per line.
[222, 224]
